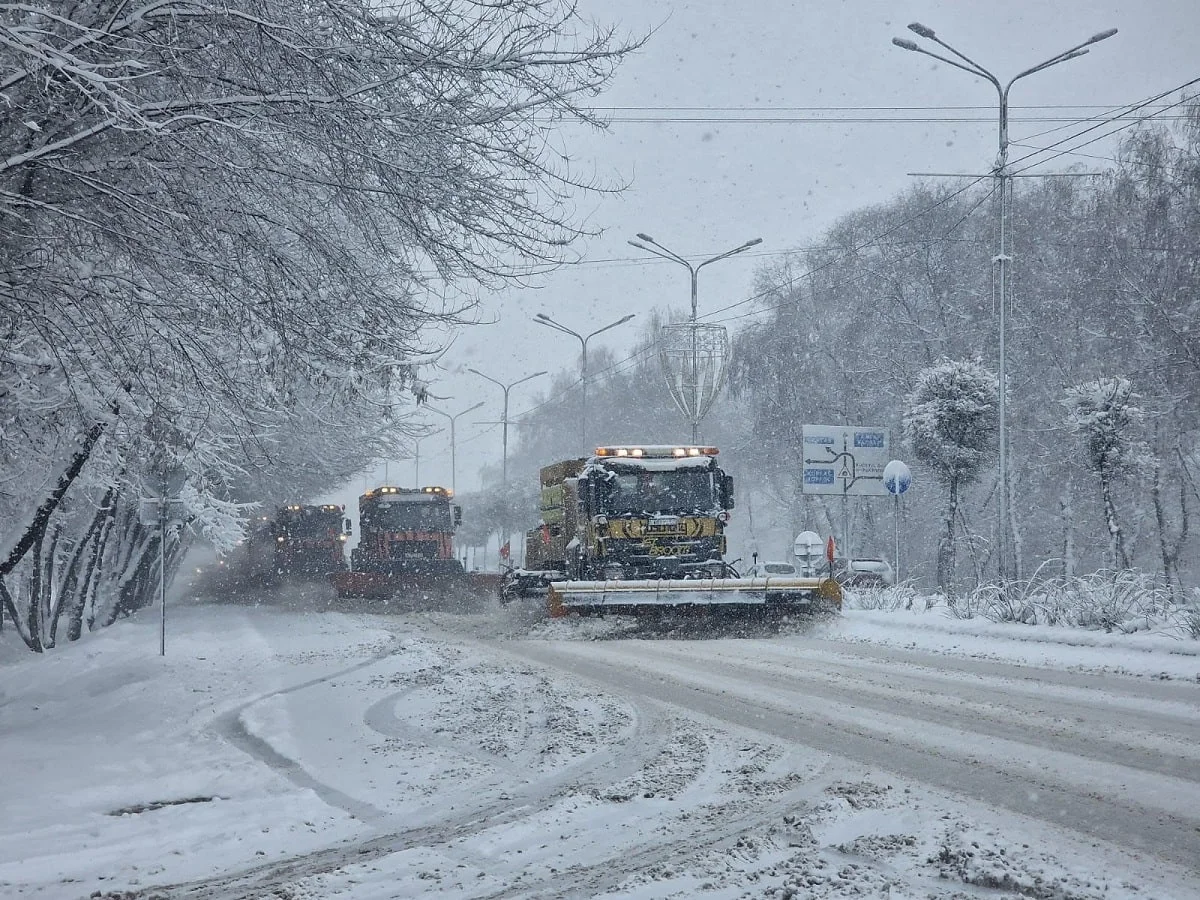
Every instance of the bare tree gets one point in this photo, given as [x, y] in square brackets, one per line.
[232, 222]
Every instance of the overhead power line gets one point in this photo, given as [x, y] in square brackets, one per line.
[1123, 117]
[1114, 116]
[1062, 114]
[984, 106]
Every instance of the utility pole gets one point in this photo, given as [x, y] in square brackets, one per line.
[1000, 262]
[504, 417]
[417, 455]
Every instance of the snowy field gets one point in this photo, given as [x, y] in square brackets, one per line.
[286, 751]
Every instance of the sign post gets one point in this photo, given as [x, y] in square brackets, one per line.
[897, 478]
[808, 549]
[845, 460]
[161, 513]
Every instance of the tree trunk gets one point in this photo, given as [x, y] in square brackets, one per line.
[91, 580]
[1169, 549]
[1067, 511]
[7, 600]
[41, 519]
[33, 613]
[1116, 540]
[73, 589]
[49, 593]
[945, 563]
[1017, 539]
[35, 534]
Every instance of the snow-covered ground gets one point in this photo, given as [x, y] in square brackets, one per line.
[287, 751]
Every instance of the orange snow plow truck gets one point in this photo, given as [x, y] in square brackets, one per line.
[641, 528]
[299, 540]
[406, 546]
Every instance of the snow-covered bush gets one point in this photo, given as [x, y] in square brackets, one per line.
[1108, 600]
[1185, 618]
[966, 606]
[899, 596]
[1121, 600]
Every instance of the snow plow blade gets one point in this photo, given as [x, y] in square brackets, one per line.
[362, 584]
[782, 593]
[421, 590]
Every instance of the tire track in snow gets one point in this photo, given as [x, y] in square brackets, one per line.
[1161, 742]
[621, 760]
[635, 671]
[232, 727]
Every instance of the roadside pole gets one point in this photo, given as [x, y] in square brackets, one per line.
[156, 512]
[162, 575]
[846, 526]
[897, 478]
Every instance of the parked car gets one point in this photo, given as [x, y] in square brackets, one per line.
[865, 572]
[771, 570]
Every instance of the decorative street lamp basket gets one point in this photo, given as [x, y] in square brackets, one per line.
[694, 359]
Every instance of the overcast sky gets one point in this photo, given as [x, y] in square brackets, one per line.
[703, 187]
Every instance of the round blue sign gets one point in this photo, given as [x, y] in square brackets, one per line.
[896, 477]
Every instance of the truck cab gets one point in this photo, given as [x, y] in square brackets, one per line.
[407, 531]
[629, 512]
[299, 539]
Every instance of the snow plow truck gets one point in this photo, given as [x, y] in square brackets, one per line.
[641, 528]
[406, 546]
[299, 540]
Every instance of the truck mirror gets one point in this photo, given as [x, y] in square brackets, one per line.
[458, 515]
[727, 492]
[346, 526]
[589, 498]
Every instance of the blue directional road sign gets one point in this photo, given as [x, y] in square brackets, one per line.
[844, 459]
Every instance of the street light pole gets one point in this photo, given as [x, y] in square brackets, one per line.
[453, 458]
[662, 252]
[653, 247]
[1003, 183]
[504, 422]
[417, 455]
[543, 319]
[504, 418]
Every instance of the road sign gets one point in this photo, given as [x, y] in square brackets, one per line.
[844, 459]
[153, 511]
[897, 477]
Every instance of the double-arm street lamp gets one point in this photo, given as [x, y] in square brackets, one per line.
[1003, 182]
[662, 252]
[453, 419]
[504, 418]
[417, 454]
[543, 319]
[683, 347]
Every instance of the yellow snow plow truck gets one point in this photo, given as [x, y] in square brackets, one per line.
[639, 528]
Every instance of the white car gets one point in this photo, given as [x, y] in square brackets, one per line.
[865, 572]
[771, 570]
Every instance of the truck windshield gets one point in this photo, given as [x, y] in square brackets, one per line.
[406, 516]
[673, 493]
[308, 522]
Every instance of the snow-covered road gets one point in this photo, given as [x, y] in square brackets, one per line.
[290, 752]
[1114, 759]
